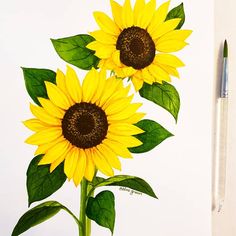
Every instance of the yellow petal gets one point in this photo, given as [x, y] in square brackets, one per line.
[35, 124]
[42, 115]
[61, 84]
[94, 45]
[124, 129]
[147, 76]
[127, 15]
[135, 118]
[110, 156]
[117, 148]
[164, 28]
[57, 96]
[180, 35]
[55, 152]
[43, 148]
[117, 95]
[158, 73]
[117, 13]
[168, 59]
[138, 11]
[51, 109]
[110, 87]
[90, 84]
[170, 70]
[138, 83]
[106, 24]
[118, 105]
[101, 162]
[70, 164]
[100, 86]
[56, 163]
[90, 167]
[128, 141]
[102, 50]
[60, 81]
[80, 168]
[127, 112]
[103, 37]
[159, 17]
[170, 46]
[73, 85]
[147, 14]
[44, 136]
[125, 72]
[106, 64]
[102, 63]
[116, 58]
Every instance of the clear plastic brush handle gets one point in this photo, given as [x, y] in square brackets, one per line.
[221, 152]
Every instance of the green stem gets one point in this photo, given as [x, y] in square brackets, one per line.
[83, 199]
[88, 221]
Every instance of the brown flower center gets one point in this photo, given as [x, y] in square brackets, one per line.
[136, 46]
[84, 125]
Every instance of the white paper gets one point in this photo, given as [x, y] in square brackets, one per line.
[179, 170]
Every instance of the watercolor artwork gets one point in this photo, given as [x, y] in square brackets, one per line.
[106, 117]
[82, 127]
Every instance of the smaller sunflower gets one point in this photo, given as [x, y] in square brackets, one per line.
[87, 127]
[138, 42]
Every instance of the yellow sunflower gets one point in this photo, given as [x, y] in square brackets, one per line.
[138, 41]
[87, 126]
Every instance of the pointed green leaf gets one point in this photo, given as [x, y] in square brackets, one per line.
[34, 82]
[164, 95]
[36, 216]
[101, 209]
[40, 182]
[177, 12]
[154, 135]
[131, 182]
[73, 50]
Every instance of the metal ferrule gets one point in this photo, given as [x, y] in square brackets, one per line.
[224, 80]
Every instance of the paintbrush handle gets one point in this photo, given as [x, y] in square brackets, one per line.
[221, 151]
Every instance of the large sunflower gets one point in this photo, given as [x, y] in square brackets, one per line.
[86, 126]
[138, 41]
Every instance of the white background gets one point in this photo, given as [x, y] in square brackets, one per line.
[178, 170]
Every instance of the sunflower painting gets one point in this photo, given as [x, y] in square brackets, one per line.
[84, 129]
[138, 42]
[87, 127]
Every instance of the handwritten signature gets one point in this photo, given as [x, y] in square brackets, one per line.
[130, 191]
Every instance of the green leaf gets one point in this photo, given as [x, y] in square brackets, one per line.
[101, 209]
[177, 12]
[131, 182]
[40, 182]
[36, 216]
[73, 50]
[164, 95]
[96, 181]
[154, 134]
[34, 82]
